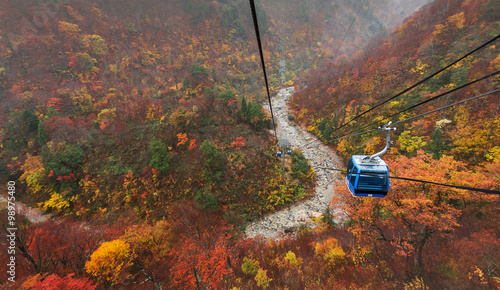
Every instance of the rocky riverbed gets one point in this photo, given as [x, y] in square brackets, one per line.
[286, 221]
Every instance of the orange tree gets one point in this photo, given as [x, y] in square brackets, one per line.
[203, 249]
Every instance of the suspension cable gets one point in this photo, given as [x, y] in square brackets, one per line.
[448, 106]
[257, 33]
[433, 98]
[443, 94]
[418, 116]
[420, 82]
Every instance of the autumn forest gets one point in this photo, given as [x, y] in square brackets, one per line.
[139, 132]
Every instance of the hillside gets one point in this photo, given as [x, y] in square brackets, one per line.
[421, 46]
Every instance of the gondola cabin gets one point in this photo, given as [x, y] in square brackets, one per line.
[278, 154]
[367, 177]
[289, 152]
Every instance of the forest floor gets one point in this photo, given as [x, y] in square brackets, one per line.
[286, 221]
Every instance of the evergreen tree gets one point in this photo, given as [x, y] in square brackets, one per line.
[196, 71]
[42, 134]
[244, 110]
[438, 144]
[160, 159]
[214, 162]
[214, 75]
[186, 83]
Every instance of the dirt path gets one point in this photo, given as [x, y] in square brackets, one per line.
[33, 215]
[274, 225]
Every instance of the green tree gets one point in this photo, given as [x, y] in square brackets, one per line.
[204, 70]
[301, 168]
[160, 158]
[255, 116]
[85, 62]
[231, 20]
[214, 75]
[62, 158]
[30, 120]
[244, 110]
[42, 134]
[214, 162]
[207, 200]
[438, 144]
[261, 16]
[195, 71]
[304, 10]
[186, 83]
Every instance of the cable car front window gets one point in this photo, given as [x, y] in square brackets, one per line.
[372, 181]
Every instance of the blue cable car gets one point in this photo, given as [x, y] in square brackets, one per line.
[289, 152]
[368, 175]
[278, 154]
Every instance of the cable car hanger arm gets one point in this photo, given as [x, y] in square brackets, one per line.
[387, 143]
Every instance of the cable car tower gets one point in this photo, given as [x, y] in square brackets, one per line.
[368, 175]
[284, 143]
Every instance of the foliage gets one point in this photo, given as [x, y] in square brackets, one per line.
[203, 253]
[58, 202]
[330, 251]
[252, 114]
[301, 169]
[182, 118]
[82, 62]
[410, 143]
[62, 158]
[262, 279]
[250, 266]
[160, 158]
[34, 175]
[109, 263]
[207, 200]
[213, 160]
[55, 282]
[198, 71]
[42, 134]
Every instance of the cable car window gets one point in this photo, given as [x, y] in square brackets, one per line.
[353, 176]
[372, 180]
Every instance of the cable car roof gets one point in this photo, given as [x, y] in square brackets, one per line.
[375, 165]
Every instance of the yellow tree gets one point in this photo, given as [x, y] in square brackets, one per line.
[68, 29]
[34, 175]
[110, 262]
